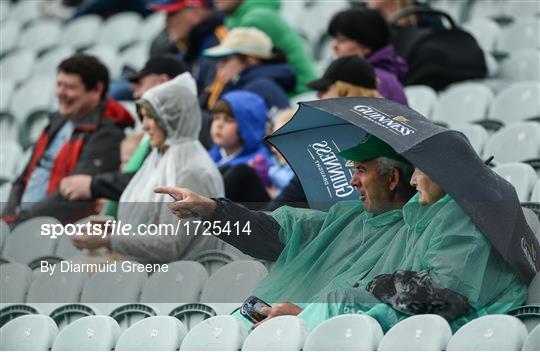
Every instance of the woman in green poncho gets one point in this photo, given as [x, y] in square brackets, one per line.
[439, 263]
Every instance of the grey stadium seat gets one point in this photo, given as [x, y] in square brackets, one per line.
[517, 102]
[522, 34]
[135, 56]
[26, 244]
[233, 282]
[10, 152]
[15, 281]
[25, 11]
[532, 221]
[47, 64]
[532, 343]
[120, 30]
[153, 334]
[60, 287]
[283, 333]
[422, 99]
[518, 141]
[521, 176]
[222, 332]
[348, 332]
[212, 260]
[9, 34]
[151, 27]
[18, 65]
[476, 134]
[535, 196]
[497, 332]
[82, 32]
[32, 96]
[28, 333]
[183, 282]
[425, 332]
[41, 35]
[114, 287]
[485, 31]
[523, 65]
[4, 232]
[93, 333]
[463, 102]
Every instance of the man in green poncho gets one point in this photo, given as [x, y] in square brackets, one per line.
[312, 248]
[438, 263]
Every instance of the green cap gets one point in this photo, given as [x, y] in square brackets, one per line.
[370, 148]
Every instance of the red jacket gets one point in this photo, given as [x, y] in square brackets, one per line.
[93, 148]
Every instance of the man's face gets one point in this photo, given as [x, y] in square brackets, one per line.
[146, 83]
[344, 46]
[74, 100]
[374, 188]
[179, 24]
[227, 6]
[428, 191]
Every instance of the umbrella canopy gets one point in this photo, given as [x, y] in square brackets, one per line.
[320, 129]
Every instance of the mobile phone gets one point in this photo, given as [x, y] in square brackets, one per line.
[252, 309]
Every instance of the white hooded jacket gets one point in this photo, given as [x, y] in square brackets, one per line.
[185, 163]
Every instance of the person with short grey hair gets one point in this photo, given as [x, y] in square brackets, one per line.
[313, 247]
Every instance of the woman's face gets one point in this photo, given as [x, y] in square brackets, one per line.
[429, 192]
[344, 46]
[149, 125]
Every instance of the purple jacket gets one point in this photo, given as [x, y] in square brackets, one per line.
[389, 67]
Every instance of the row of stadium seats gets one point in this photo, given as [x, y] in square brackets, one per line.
[285, 333]
[118, 31]
[474, 101]
[183, 281]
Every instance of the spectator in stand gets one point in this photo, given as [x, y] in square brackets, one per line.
[171, 116]
[110, 185]
[191, 27]
[364, 32]
[82, 137]
[264, 16]
[349, 76]
[246, 61]
[238, 127]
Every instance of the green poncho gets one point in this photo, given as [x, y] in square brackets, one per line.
[319, 246]
[441, 240]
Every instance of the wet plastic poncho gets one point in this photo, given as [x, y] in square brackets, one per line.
[441, 240]
[320, 246]
[185, 163]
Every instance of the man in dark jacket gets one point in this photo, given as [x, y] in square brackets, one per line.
[82, 137]
[247, 61]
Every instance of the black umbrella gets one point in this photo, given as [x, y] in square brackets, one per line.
[321, 128]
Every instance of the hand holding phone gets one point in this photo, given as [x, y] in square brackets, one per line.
[252, 309]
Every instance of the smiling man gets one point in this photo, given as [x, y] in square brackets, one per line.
[311, 247]
[82, 137]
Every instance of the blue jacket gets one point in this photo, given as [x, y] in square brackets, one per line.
[271, 81]
[250, 114]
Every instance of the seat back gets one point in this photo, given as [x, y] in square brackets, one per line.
[348, 332]
[222, 332]
[422, 99]
[532, 343]
[95, 333]
[233, 282]
[496, 332]
[116, 286]
[524, 137]
[521, 176]
[183, 282]
[424, 332]
[153, 334]
[15, 280]
[60, 287]
[28, 332]
[463, 102]
[517, 102]
[283, 333]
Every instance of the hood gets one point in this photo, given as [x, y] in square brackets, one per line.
[176, 106]
[250, 114]
[235, 19]
[115, 112]
[282, 74]
[388, 60]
